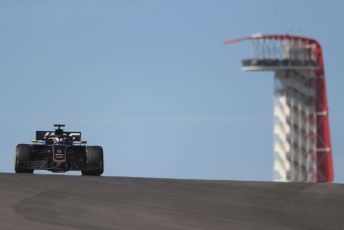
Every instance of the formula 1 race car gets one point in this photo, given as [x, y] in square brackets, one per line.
[59, 151]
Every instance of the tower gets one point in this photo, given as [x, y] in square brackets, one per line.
[302, 145]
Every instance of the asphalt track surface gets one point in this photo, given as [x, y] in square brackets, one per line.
[85, 202]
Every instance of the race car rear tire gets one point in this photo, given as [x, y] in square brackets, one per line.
[95, 161]
[22, 154]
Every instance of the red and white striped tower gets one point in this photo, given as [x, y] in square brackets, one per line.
[302, 145]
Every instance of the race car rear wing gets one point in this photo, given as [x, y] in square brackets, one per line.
[43, 135]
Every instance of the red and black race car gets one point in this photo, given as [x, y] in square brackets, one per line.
[59, 151]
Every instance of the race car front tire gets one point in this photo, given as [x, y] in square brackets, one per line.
[95, 161]
[22, 154]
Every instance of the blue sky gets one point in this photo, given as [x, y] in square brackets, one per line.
[152, 82]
